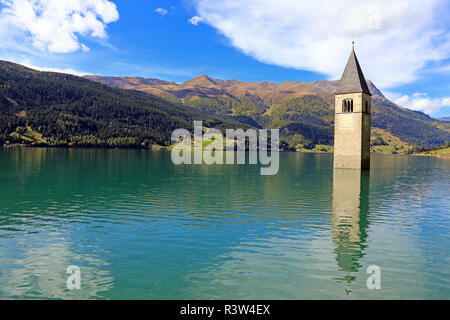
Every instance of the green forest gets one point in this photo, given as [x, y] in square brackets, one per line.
[309, 120]
[54, 109]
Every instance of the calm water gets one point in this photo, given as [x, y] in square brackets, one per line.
[140, 227]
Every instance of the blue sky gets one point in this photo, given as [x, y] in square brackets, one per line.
[403, 46]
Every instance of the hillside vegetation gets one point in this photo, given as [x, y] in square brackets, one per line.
[44, 108]
[303, 111]
[440, 152]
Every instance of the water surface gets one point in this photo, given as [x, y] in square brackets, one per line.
[140, 227]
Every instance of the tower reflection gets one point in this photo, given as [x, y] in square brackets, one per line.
[349, 222]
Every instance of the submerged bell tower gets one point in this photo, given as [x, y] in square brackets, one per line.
[352, 118]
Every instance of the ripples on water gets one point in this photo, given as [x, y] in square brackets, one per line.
[142, 228]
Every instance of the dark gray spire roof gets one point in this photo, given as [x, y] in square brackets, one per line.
[353, 80]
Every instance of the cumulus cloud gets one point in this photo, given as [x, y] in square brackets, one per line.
[394, 38]
[195, 20]
[30, 64]
[421, 102]
[161, 11]
[55, 25]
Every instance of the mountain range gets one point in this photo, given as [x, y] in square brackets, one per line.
[56, 109]
[304, 111]
[46, 108]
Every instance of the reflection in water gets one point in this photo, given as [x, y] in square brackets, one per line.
[349, 223]
[140, 227]
[37, 269]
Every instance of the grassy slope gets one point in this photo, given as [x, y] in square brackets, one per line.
[441, 152]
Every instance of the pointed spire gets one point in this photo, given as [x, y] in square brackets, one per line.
[353, 80]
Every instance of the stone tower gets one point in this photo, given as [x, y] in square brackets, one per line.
[352, 118]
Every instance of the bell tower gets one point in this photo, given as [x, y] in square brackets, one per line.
[352, 118]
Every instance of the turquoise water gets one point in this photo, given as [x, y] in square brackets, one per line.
[140, 227]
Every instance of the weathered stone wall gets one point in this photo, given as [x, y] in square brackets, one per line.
[352, 132]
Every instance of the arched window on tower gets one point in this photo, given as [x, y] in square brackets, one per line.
[366, 106]
[347, 105]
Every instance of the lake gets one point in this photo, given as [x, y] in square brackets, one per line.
[139, 227]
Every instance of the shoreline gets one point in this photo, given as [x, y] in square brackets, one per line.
[445, 156]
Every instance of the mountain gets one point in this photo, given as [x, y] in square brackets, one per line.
[45, 108]
[204, 87]
[444, 118]
[303, 111]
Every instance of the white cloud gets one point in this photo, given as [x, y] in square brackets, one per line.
[392, 95]
[161, 11]
[445, 68]
[85, 48]
[195, 20]
[419, 94]
[394, 38]
[55, 25]
[421, 102]
[29, 64]
[59, 70]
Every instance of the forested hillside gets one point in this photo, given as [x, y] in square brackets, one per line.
[43, 108]
[303, 111]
